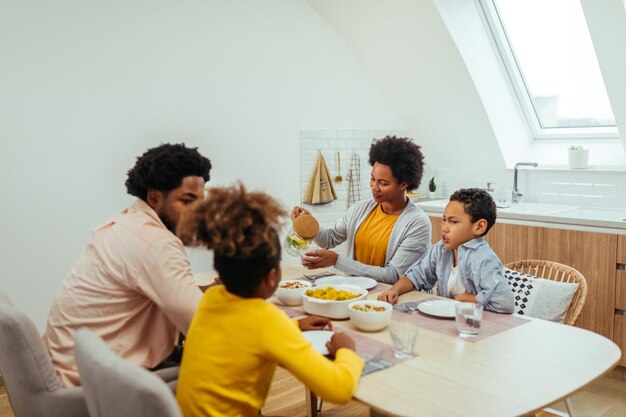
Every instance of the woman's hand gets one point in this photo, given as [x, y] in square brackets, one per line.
[315, 323]
[391, 296]
[320, 258]
[338, 341]
[296, 211]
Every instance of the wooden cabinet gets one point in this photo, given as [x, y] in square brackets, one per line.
[512, 242]
[620, 336]
[620, 289]
[436, 222]
[594, 255]
[621, 249]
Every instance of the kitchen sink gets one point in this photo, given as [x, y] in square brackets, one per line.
[533, 208]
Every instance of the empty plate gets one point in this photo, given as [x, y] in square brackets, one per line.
[361, 282]
[438, 308]
[318, 339]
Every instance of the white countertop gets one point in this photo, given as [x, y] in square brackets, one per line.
[595, 219]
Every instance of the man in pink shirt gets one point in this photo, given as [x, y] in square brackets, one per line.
[133, 284]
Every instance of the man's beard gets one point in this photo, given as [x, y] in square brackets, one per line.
[168, 223]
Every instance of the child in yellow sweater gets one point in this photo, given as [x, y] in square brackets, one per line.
[236, 338]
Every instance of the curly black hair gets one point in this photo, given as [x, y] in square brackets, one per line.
[403, 156]
[164, 167]
[478, 204]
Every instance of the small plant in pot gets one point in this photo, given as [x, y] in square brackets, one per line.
[432, 188]
[577, 157]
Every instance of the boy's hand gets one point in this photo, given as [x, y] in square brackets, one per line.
[466, 298]
[315, 323]
[338, 341]
[391, 296]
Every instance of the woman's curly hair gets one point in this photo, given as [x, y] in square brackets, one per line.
[403, 156]
[241, 228]
[164, 167]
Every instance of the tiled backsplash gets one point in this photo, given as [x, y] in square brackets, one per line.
[563, 186]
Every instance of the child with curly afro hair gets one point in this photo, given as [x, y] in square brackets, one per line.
[237, 338]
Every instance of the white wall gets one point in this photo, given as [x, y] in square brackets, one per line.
[87, 86]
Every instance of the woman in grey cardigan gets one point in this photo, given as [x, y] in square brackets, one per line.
[385, 235]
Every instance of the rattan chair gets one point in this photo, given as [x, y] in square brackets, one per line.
[562, 273]
[557, 272]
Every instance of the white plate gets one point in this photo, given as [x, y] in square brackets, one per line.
[361, 282]
[318, 339]
[438, 308]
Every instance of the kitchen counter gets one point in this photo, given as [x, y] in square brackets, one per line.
[593, 219]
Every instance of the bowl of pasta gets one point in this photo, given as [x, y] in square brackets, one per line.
[331, 300]
[289, 291]
[370, 315]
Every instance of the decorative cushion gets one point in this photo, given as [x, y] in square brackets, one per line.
[539, 297]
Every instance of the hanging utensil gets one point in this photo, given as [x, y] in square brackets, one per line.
[338, 178]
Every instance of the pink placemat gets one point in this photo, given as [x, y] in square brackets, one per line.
[492, 323]
[366, 346]
[379, 288]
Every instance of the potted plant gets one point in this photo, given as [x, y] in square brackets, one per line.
[432, 187]
[577, 157]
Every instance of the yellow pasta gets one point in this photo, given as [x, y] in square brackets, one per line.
[330, 293]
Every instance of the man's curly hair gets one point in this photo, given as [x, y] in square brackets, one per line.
[241, 228]
[164, 167]
[403, 156]
[478, 204]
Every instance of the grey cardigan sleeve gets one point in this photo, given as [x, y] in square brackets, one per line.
[328, 238]
[413, 242]
[423, 273]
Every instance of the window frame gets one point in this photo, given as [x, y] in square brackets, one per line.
[497, 33]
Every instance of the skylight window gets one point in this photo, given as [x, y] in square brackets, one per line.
[550, 59]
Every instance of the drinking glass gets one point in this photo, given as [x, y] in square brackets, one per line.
[309, 248]
[468, 318]
[403, 336]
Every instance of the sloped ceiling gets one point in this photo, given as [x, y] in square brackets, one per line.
[409, 52]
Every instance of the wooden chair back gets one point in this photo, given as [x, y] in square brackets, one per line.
[557, 272]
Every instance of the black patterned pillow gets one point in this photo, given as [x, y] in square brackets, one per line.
[540, 298]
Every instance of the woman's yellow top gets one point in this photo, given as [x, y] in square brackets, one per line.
[232, 349]
[372, 238]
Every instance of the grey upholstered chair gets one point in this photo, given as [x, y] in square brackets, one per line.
[116, 388]
[29, 377]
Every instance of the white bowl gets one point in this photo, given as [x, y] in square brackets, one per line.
[370, 321]
[333, 309]
[291, 296]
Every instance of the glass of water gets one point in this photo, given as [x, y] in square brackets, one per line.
[468, 319]
[403, 336]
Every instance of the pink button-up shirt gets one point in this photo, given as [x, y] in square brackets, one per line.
[132, 286]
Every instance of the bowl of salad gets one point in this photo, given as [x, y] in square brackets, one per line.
[370, 315]
[289, 291]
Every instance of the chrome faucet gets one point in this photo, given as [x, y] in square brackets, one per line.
[516, 196]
